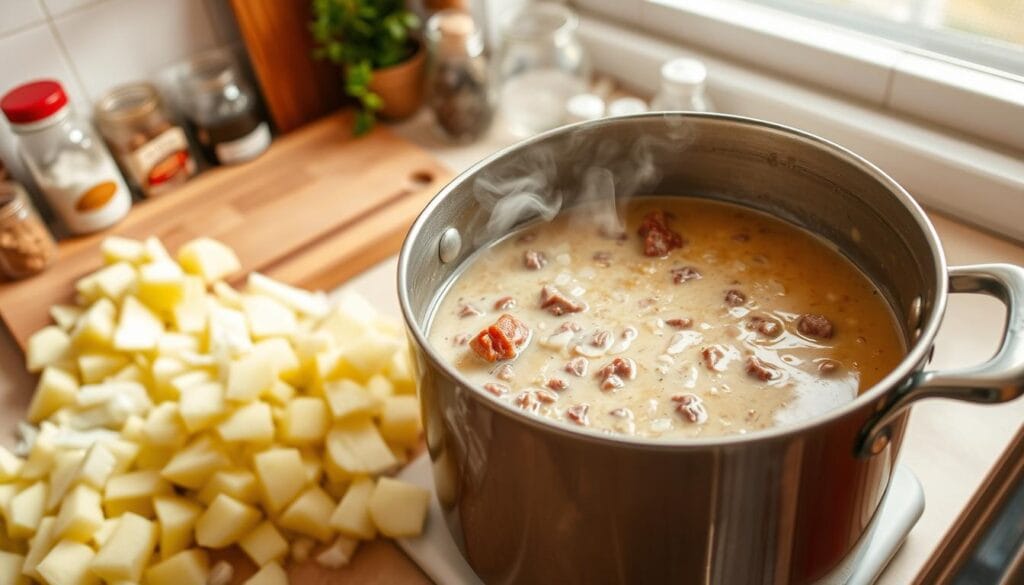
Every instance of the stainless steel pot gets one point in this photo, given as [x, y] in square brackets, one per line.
[533, 501]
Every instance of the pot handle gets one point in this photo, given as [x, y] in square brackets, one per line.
[1000, 379]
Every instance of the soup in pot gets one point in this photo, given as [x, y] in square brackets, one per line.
[698, 318]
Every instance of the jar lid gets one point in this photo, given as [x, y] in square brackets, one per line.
[128, 103]
[584, 106]
[684, 72]
[455, 31]
[33, 101]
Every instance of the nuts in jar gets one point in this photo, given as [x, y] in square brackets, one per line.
[26, 246]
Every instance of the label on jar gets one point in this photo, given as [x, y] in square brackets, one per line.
[162, 162]
[86, 190]
[247, 147]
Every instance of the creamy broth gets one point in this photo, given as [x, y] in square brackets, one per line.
[701, 319]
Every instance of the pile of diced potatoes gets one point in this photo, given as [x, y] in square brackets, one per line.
[175, 414]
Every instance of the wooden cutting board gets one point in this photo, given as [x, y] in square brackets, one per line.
[317, 208]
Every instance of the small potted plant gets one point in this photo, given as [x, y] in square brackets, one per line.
[382, 61]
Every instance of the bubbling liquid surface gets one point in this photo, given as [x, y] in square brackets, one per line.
[718, 320]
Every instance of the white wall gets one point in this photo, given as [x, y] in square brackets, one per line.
[92, 45]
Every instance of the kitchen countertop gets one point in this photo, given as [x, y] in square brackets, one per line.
[949, 445]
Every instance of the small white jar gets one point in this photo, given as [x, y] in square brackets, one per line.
[71, 165]
[682, 87]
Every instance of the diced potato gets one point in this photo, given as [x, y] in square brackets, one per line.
[26, 510]
[117, 249]
[305, 421]
[120, 400]
[10, 465]
[97, 466]
[153, 457]
[357, 447]
[189, 315]
[270, 574]
[202, 405]
[209, 259]
[314, 466]
[227, 333]
[63, 474]
[400, 420]
[138, 328]
[279, 352]
[65, 316]
[80, 515]
[155, 250]
[134, 492]
[338, 554]
[400, 372]
[125, 554]
[132, 372]
[103, 533]
[310, 514]
[38, 546]
[163, 370]
[351, 317]
[264, 544]
[398, 508]
[225, 521]
[46, 347]
[124, 452]
[68, 564]
[352, 516]
[188, 567]
[240, 484]
[178, 343]
[358, 359]
[164, 427]
[10, 569]
[313, 304]
[161, 285]
[56, 388]
[192, 466]
[248, 377]
[268, 318]
[281, 475]
[112, 282]
[188, 379]
[177, 518]
[94, 367]
[227, 295]
[96, 326]
[346, 398]
[380, 388]
[250, 423]
[280, 393]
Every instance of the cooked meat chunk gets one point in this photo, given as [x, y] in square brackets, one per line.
[534, 260]
[815, 325]
[684, 274]
[761, 370]
[504, 304]
[659, 239]
[558, 303]
[734, 298]
[502, 340]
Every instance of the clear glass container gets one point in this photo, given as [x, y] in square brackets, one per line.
[458, 78]
[152, 150]
[540, 66]
[223, 109]
[70, 164]
[26, 246]
[682, 87]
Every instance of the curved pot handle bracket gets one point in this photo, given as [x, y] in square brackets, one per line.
[1000, 379]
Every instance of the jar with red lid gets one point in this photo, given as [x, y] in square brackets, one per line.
[72, 167]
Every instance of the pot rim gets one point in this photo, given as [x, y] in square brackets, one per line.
[917, 354]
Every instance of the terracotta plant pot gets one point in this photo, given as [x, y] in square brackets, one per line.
[401, 86]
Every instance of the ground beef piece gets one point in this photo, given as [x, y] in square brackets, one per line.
[601, 338]
[764, 326]
[461, 339]
[622, 367]
[534, 260]
[659, 239]
[568, 326]
[468, 310]
[603, 259]
[502, 340]
[558, 303]
[611, 382]
[691, 407]
[815, 325]
[684, 274]
[712, 356]
[504, 372]
[504, 304]
[546, 396]
[680, 323]
[557, 384]
[527, 401]
[577, 366]
[761, 370]
[734, 298]
[577, 413]
[622, 413]
[496, 389]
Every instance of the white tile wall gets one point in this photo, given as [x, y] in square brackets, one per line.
[92, 45]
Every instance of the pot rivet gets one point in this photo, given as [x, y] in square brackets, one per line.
[880, 442]
[450, 245]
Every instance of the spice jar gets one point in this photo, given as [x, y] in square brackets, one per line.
[223, 110]
[457, 77]
[72, 167]
[26, 246]
[152, 150]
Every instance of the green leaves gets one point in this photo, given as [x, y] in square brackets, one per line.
[362, 35]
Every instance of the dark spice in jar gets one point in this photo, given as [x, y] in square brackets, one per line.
[458, 87]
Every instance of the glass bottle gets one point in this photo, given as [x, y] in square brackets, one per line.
[682, 87]
[458, 84]
[26, 246]
[72, 167]
[540, 66]
[152, 150]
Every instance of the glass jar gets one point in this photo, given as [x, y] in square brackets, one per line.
[72, 167]
[152, 150]
[26, 246]
[540, 66]
[458, 84]
[223, 109]
[682, 87]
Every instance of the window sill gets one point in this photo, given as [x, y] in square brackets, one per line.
[977, 182]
